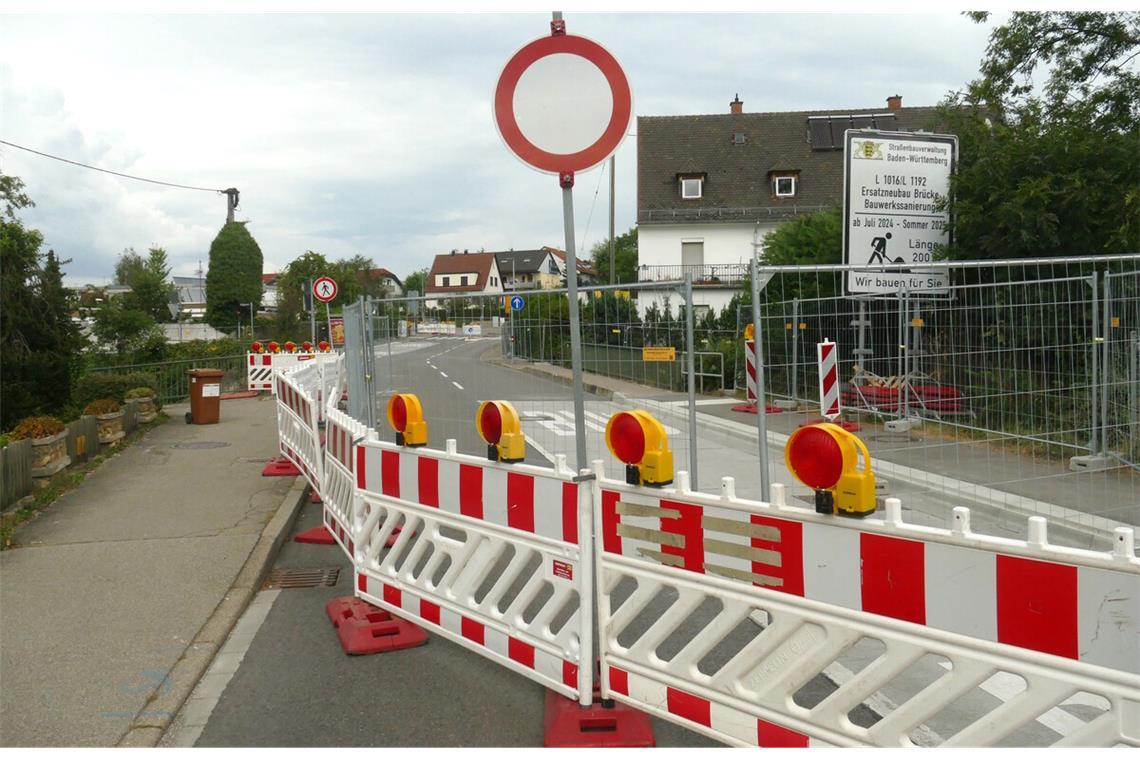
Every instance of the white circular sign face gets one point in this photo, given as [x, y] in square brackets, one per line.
[563, 103]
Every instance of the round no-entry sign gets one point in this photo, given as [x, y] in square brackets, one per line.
[324, 289]
[563, 104]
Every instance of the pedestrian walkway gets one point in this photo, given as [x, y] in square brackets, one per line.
[116, 598]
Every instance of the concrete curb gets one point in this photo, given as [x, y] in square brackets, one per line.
[156, 716]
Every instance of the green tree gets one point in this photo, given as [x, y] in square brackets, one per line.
[119, 324]
[38, 341]
[291, 287]
[148, 279]
[625, 258]
[1049, 170]
[416, 281]
[234, 276]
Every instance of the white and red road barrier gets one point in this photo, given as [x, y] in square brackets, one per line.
[494, 557]
[814, 586]
[338, 490]
[828, 379]
[714, 611]
[750, 369]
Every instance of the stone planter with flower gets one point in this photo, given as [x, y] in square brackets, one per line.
[110, 416]
[144, 398]
[49, 444]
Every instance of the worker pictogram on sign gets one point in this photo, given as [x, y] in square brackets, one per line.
[324, 289]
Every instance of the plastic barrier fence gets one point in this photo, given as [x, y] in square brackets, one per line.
[333, 382]
[297, 422]
[338, 490]
[716, 613]
[494, 557]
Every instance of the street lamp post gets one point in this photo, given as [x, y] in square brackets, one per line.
[250, 305]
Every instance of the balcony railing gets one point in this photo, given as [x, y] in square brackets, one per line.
[706, 275]
[724, 214]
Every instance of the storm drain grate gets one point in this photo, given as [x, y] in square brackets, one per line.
[302, 577]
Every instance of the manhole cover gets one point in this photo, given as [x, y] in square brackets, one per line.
[303, 577]
[535, 417]
[200, 445]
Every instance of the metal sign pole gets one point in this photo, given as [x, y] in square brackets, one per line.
[566, 179]
[692, 369]
[761, 404]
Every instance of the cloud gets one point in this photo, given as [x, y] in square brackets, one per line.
[373, 134]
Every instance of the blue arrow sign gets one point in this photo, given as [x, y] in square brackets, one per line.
[517, 303]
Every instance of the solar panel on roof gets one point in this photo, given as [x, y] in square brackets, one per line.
[820, 131]
[839, 125]
[885, 121]
[862, 122]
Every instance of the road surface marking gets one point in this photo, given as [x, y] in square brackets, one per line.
[1006, 686]
[443, 373]
[457, 385]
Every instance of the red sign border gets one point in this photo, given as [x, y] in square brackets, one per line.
[557, 163]
[318, 281]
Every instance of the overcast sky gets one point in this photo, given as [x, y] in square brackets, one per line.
[373, 134]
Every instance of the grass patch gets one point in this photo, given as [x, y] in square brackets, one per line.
[63, 481]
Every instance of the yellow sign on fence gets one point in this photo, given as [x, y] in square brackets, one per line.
[658, 354]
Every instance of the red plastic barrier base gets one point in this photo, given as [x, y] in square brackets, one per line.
[751, 409]
[280, 467]
[317, 535]
[315, 498]
[568, 724]
[850, 427]
[371, 630]
[344, 608]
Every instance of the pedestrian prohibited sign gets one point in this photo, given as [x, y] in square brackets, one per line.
[324, 289]
[517, 303]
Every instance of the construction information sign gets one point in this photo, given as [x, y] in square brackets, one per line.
[893, 219]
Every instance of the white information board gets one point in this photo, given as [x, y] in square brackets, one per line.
[894, 183]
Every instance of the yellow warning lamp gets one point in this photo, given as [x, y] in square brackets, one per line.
[824, 457]
[273, 347]
[749, 331]
[406, 417]
[323, 345]
[255, 348]
[290, 346]
[498, 424]
[307, 347]
[638, 440]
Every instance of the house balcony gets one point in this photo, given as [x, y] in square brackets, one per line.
[704, 275]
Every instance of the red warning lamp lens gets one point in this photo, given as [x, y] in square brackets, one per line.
[323, 345]
[399, 414]
[816, 458]
[491, 423]
[307, 346]
[255, 347]
[628, 439]
[273, 346]
[290, 346]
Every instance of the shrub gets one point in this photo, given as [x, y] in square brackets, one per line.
[36, 427]
[97, 385]
[102, 406]
[140, 392]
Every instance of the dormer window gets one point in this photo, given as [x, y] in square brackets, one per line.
[784, 185]
[692, 187]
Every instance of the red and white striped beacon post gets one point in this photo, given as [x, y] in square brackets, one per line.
[750, 363]
[828, 380]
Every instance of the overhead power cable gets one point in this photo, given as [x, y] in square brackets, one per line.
[108, 171]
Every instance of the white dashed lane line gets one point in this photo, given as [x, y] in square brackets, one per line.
[457, 385]
[443, 373]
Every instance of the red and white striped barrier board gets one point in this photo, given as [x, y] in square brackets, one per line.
[828, 380]
[1072, 614]
[261, 366]
[471, 514]
[750, 369]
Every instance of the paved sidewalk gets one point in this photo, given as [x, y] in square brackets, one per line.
[117, 596]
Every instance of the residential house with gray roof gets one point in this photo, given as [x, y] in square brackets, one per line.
[711, 188]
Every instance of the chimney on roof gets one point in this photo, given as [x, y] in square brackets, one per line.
[737, 105]
[894, 102]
